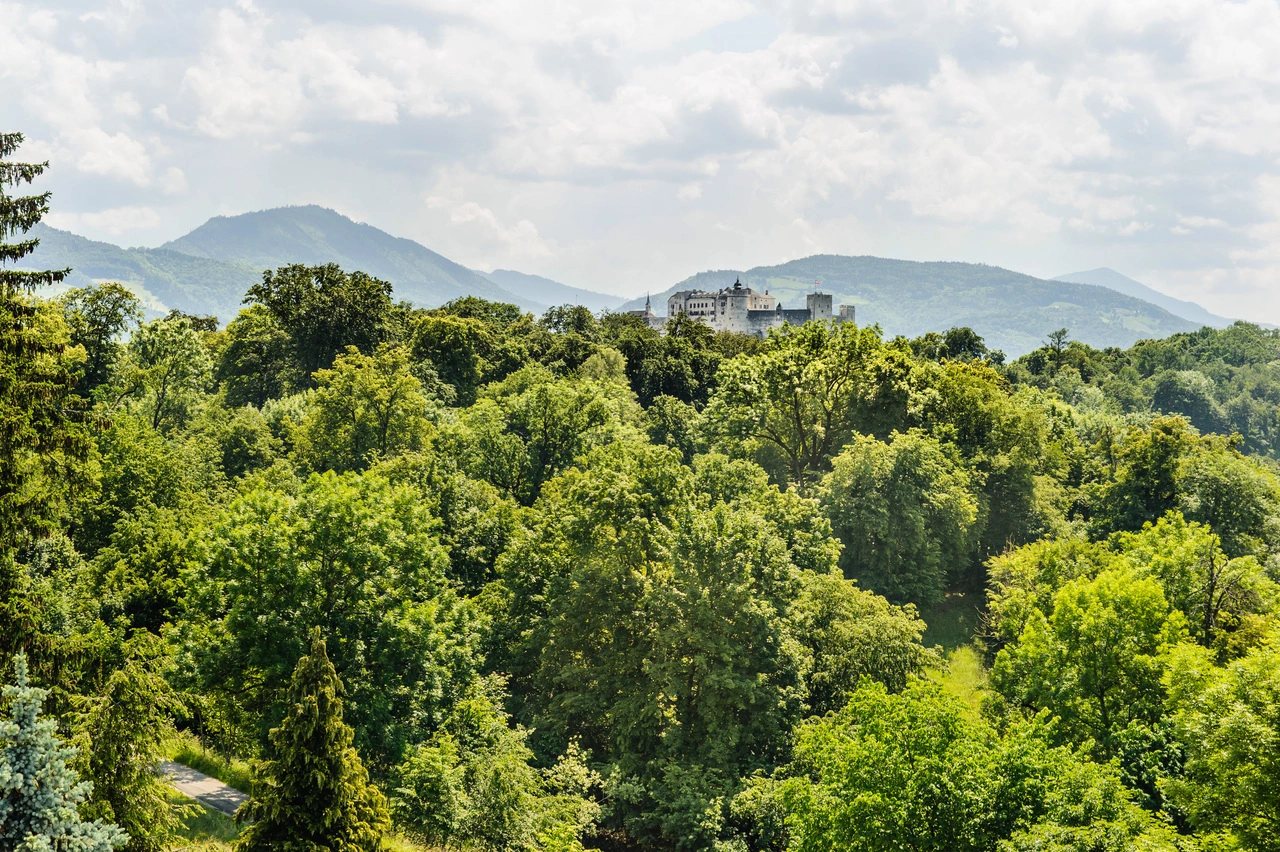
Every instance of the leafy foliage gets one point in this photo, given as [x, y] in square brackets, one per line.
[573, 582]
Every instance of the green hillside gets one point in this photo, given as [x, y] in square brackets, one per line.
[164, 279]
[313, 235]
[1010, 310]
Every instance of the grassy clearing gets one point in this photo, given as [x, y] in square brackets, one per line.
[186, 749]
[953, 622]
[202, 830]
[964, 676]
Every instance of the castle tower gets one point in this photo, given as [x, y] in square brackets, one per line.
[819, 305]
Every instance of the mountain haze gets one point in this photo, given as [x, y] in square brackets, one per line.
[548, 292]
[1113, 280]
[314, 235]
[1010, 310]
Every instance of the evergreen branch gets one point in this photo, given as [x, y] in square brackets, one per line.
[13, 280]
[12, 174]
[16, 251]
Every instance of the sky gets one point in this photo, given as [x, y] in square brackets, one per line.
[622, 146]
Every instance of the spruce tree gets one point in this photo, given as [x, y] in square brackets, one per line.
[315, 795]
[45, 440]
[43, 436]
[39, 793]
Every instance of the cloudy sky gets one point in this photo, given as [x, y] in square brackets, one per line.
[621, 146]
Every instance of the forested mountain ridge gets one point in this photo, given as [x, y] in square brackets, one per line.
[209, 270]
[1013, 312]
[549, 292]
[166, 280]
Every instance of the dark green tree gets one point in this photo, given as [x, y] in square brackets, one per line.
[39, 792]
[18, 214]
[40, 425]
[44, 435]
[905, 514]
[254, 363]
[324, 310]
[315, 794]
[125, 728]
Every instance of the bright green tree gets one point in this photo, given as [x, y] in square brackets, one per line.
[904, 513]
[473, 785]
[365, 408]
[914, 771]
[39, 793]
[98, 315]
[1228, 720]
[314, 794]
[163, 374]
[356, 557]
[796, 396]
[1226, 601]
[1096, 661]
[534, 427]
[851, 634]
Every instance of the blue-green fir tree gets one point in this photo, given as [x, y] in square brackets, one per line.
[39, 793]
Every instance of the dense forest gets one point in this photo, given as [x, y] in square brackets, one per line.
[470, 578]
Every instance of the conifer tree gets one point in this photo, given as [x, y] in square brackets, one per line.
[37, 414]
[315, 795]
[39, 793]
[44, 436]
[17, 216]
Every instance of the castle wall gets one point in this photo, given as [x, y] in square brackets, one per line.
[744, 311]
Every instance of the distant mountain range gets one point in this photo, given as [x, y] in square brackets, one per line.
[1124, 284]
[548, 292]
[1012, 311]
[208, 271]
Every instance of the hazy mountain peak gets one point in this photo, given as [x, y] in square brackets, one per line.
[1106, 277]
[540, 289]
[312, 234]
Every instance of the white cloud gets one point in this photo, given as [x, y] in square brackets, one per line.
[637, 142]
[115, 222]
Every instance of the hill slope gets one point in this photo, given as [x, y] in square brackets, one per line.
[1113, 280]
[162, 279]
[548, 292]
[313, 235]
[1012, 311]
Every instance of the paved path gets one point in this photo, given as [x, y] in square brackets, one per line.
[205, 790]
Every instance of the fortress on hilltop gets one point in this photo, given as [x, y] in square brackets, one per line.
[743, 310]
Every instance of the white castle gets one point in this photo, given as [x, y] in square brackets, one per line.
[743, 310]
